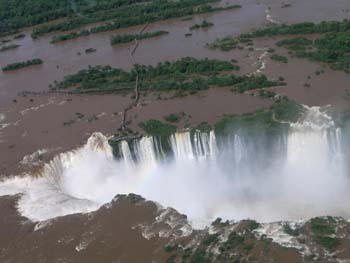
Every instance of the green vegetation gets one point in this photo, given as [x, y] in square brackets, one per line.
[203, 127]
[324, 229]
[200, 256]
[252, 225]
[19, 36]
[301, 29]
[131, 13]
[171, 259]
[218, 222]
[8, 47]
[279, 58]
[291, 231]
[266, 93]
[323, 225]
[182, 74]
[331, 48]
[228, 43]
[183, 77]
[244, 83]
[16, 14]
[224, 44]
[295, 43]
[18, 65]
[170, 247]
[210, 239]
[329, 243]
[69, 36]
[204, 24]
[234, 240]
[175, 117]
[270, 121]
[157, 128]
[121, 39]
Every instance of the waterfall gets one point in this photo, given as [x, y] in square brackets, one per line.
[202, 147]
[296, 175]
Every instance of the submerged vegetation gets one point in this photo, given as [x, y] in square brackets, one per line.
[121, 39]
[18, 65]
[8, 47]
[279, 58]
[69, 36]
[224, 44]
[204, 24]
[183, 77]
[175, 117]
[131, 13]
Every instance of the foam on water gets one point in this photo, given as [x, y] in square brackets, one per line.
[202, 180]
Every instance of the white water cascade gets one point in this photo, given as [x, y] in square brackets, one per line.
[199, 176]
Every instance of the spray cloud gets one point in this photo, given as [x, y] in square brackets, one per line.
[203, 180]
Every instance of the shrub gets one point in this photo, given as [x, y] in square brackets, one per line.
[18, 65]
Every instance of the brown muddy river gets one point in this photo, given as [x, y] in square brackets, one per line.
[62, 58]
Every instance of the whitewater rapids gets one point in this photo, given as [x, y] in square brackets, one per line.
[203, 179]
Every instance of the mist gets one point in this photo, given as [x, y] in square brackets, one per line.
[305, 175]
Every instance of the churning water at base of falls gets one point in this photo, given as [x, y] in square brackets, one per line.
[305, 175]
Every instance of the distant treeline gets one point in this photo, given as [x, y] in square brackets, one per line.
[16, 14]
[301, 29]
[18, 65]
[131, 15]
[121, 39]
[331, 47]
